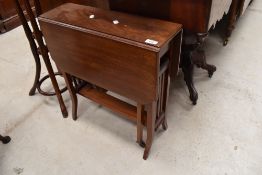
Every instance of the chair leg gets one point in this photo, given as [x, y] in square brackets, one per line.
[37, 75]
[5, 140]
[72, 91]
[56, 88]
[151, 118]
[140, 110]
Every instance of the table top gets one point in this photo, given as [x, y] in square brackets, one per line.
[120, 25]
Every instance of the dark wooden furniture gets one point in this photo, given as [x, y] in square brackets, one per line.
[47, 5]
[110, 50]
[237, 9]
[8, 16]
[39, 50]
[232, 18]
[244, 5]
[197, 17]
[5, 139]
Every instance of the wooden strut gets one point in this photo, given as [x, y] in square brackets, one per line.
[37, 35]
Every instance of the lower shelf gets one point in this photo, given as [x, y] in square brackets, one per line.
[116, 105]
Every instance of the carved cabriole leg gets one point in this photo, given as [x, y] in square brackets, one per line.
[233, 14]
[188, 70]
[199, 56]
[140, 111]
[188, 77]
[187, 65]
[5, 140]
[194, 54]
[72, 91]
[151, 118]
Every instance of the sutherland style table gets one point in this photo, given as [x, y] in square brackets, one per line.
[197, 17]
[129, 55]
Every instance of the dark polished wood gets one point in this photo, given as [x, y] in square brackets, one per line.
[47, 5]
[5, 139]
[243, 5]
[38, 48]
[115, 57]
[193, 14]
[9, 18]
[232, 18]
[236, 10]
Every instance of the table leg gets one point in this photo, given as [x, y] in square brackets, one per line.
[233, 14]
[199, 55]
[151, 118]
[188, 70]
[140, 111]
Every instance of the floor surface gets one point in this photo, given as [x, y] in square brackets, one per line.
[222, 135]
